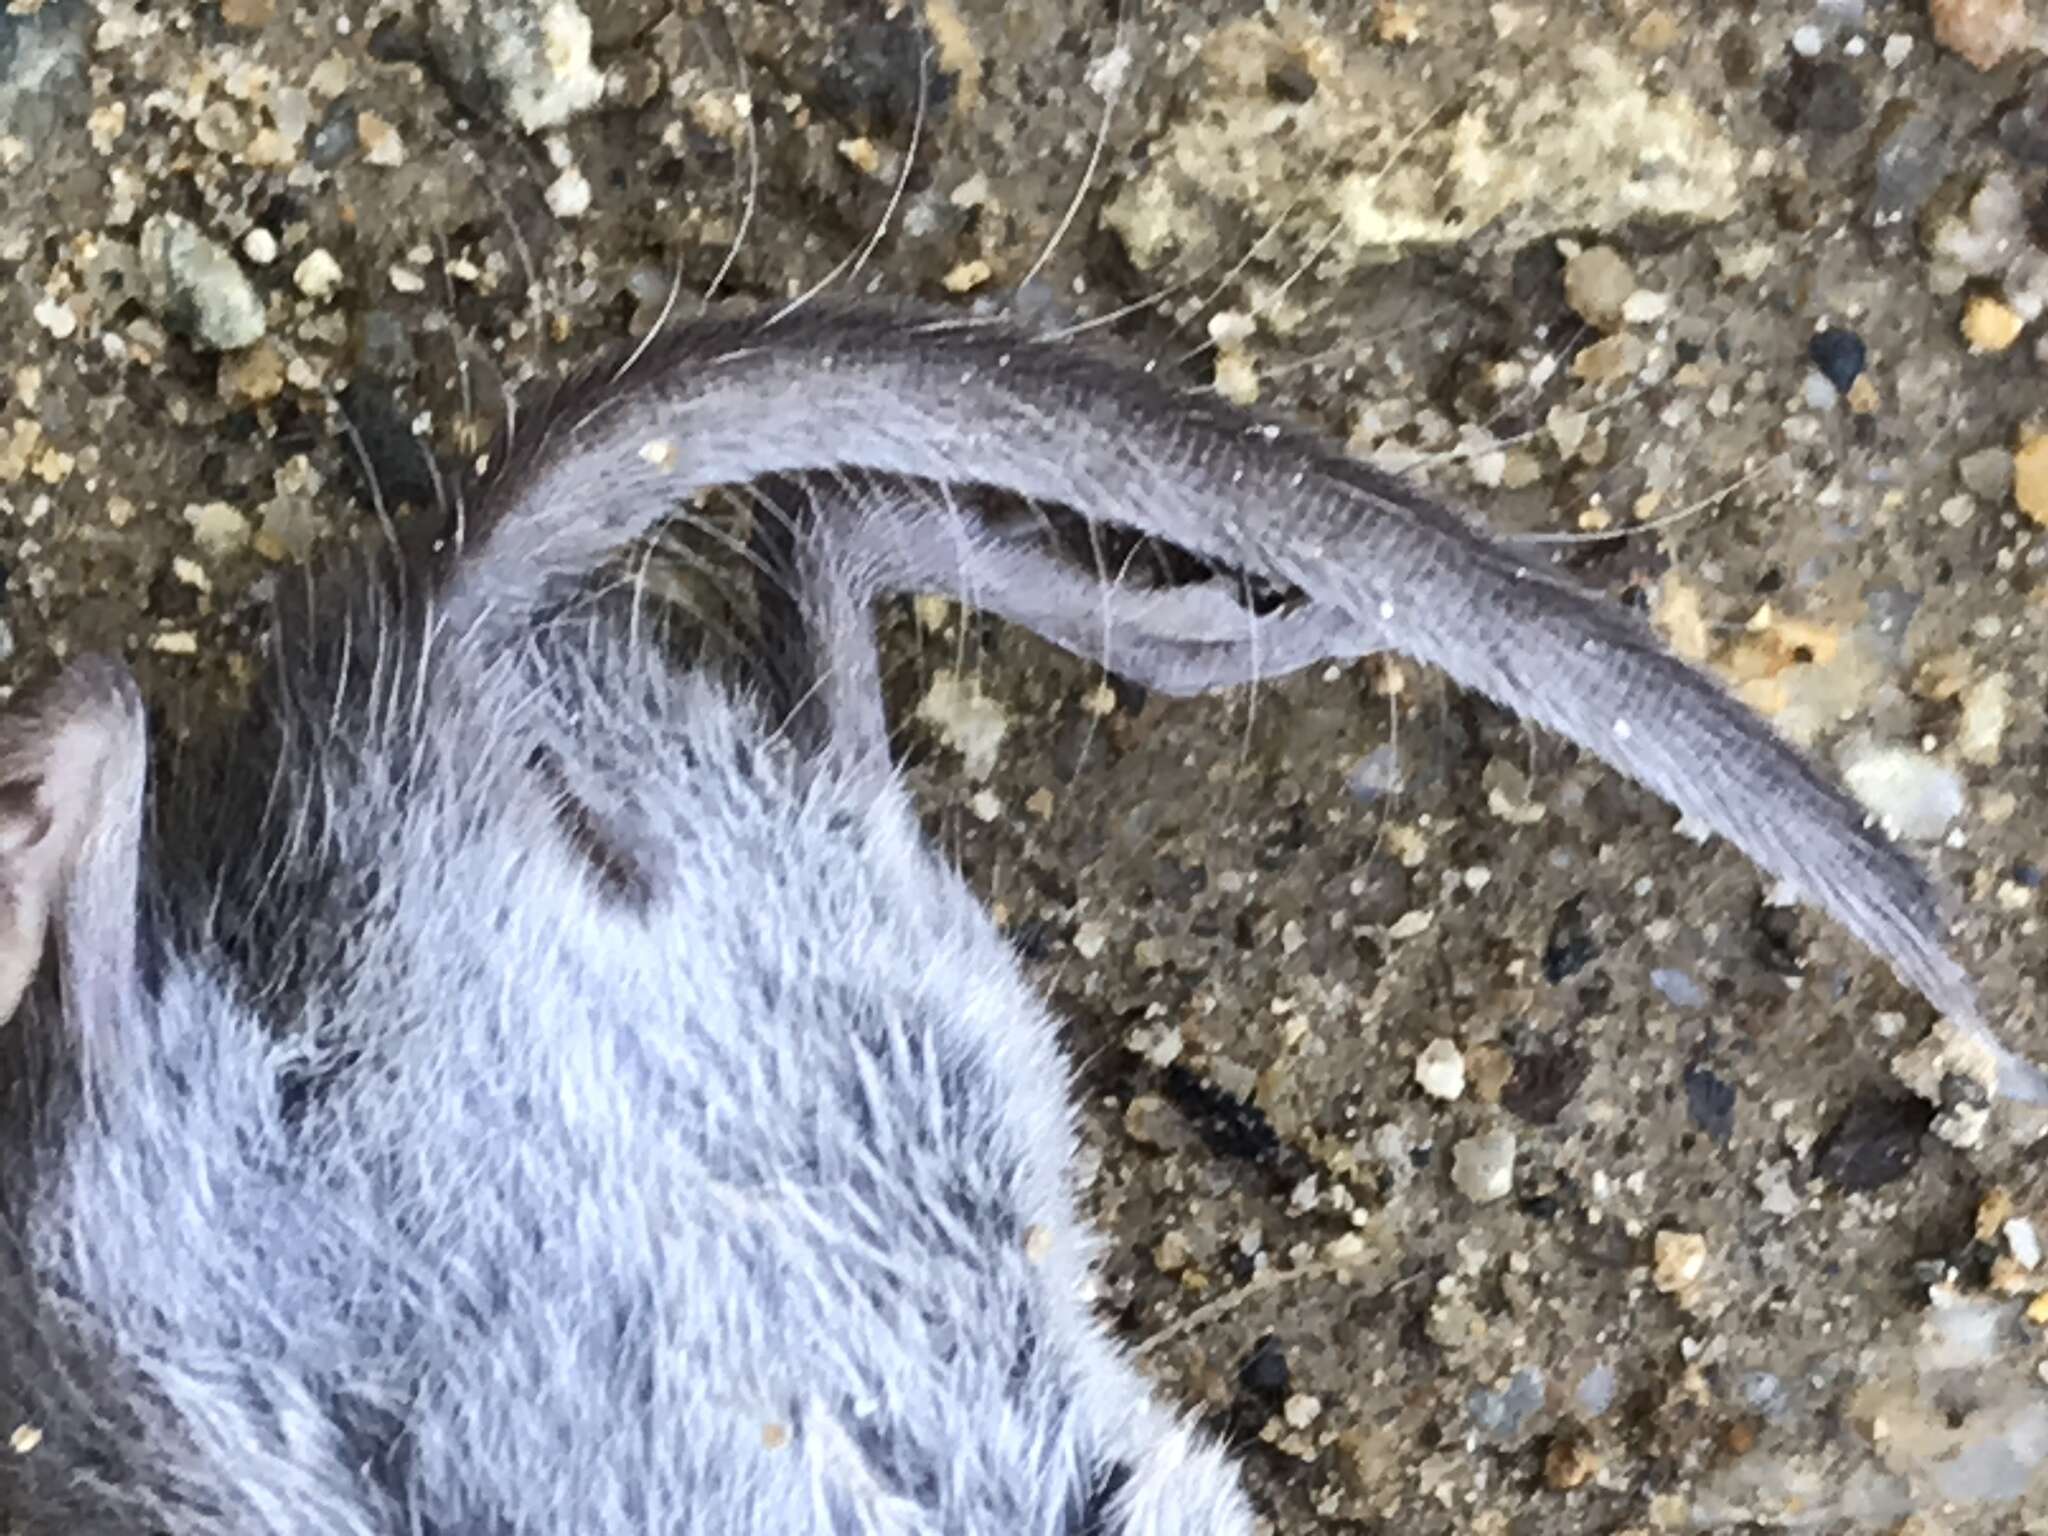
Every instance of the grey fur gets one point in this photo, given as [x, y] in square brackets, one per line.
[547, 1091]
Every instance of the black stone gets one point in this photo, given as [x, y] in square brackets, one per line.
[1710, 1102]
[1265, 1372]
[1839, 355]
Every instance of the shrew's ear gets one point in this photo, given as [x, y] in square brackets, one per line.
[72, 765]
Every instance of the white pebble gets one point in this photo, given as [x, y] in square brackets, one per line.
[1483, 1167]
[260, 246]
[2024, 1242]
[1644, 307]
[1915, 796]
[318, 275]
[1440, 1070]
[55, 316]
[568, 195]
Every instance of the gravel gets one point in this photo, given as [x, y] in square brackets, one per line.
[1256, 914]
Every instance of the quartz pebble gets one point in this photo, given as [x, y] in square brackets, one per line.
[1440, 1070]
[568, 195]
[1483, 1167]
[1915, 796]
[318, 275]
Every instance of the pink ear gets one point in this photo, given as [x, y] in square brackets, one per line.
[72, 760]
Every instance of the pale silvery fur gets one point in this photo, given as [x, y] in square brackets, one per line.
[535, 1089]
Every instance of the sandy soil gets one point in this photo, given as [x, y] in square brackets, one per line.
[1568, 262]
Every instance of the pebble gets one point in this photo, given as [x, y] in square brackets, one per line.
[2030, 475]
[1569, 1463]
[1679, 1262]
[1710, 1102]
[1915, 797]
[318, 275]
[43, 51]
[1237, 376]
[1503, 1414]
[253, 376]
[530, 58]
[1956, 1072]
[337, 137]
[1645, 308]
[1490, 1069]
[218, 528]
[568, 195]
[1608, 359]
[1677, 988]
[2024, 1241]
[1440, 1070]
[197, 287]
[56, 317]
[1412, 924]
[1301, 1410]
[260, 246]
[1983, 32]
[1598, 283]
[1986, 712]
[382, 143]
[1839, 354]
[967, 276]
[1987, 473]
[1994, 1210]
[1483, 1167]
[966, 719]
[1762, 1393]
[1990, 324]
[1594, 1394]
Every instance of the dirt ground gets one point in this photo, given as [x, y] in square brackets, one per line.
[1738, 299]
